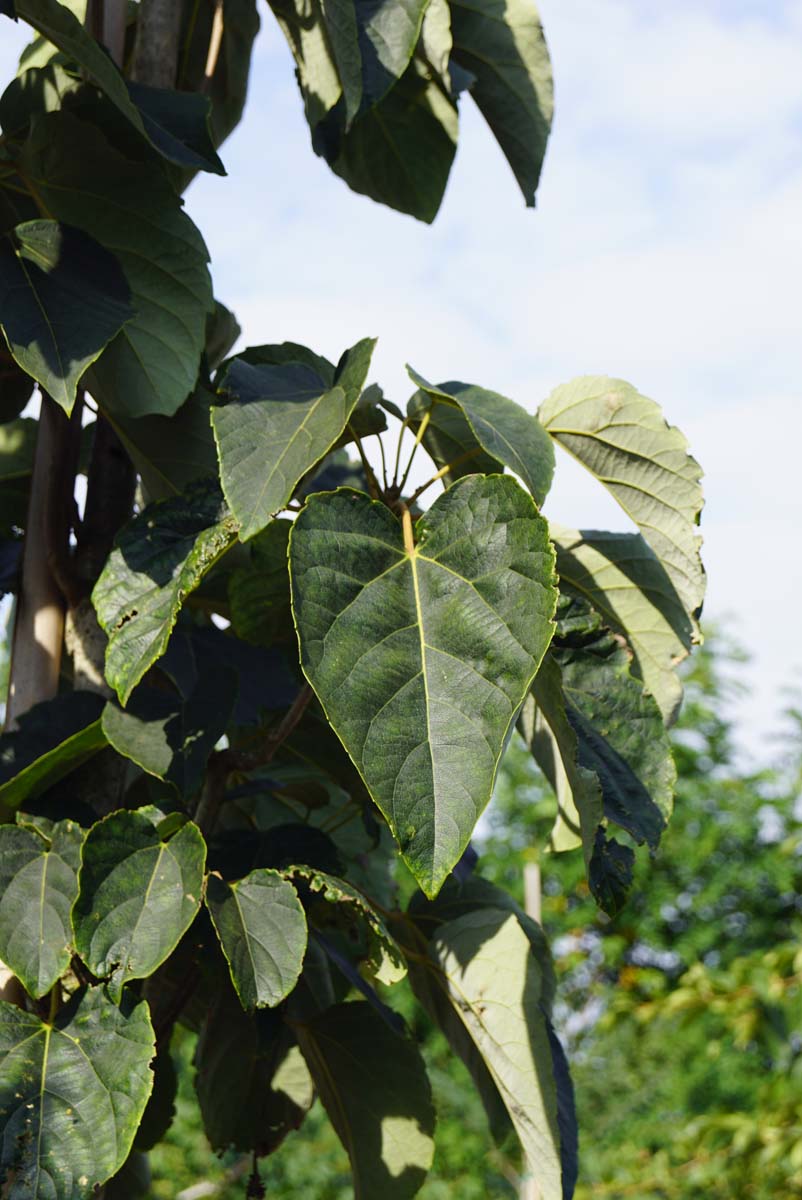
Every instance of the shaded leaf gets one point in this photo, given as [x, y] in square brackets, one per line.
[159, 1114]
[177, 124]
[229, 83]
[222, 331]
[171, 452]
[382, 957]
[610, 874]
[137, 896]
[280, 421]
[38, 884]
[422, 654]
[374, 1088]
[72, 1094]
[63, 298]
[17, 447]
[449, 440]
[7, 9]
[504, 430]
[152, 365]
[170, 736]
[159, 558]
[501, 44]
[623, 439]
[253, 1085]
[259, 594]
[16, 387]
[262, 929]
[52, 739]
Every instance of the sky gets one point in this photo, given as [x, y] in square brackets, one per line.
[666, 250]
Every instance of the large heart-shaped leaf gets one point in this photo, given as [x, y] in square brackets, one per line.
[172, 736]
[52, 739]
[259, 594]
[72, 1094]
[262, 928]
[132, 210]
[623, 439]
[159, 558]
[137, 895]
[504, 430]
[422, 646]
[501, 44]
[63, 298]
[374, 1087]
[38, 884]
[280, 421]
[622, 578]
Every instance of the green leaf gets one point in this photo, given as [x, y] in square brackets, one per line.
[177, 124]
[262, 928]
[63, 298]
[623, 439]
[422, 654]
[222, 331]
[387, 33]
[159, 558]
[137, 896]
[170, 736]
[38, 883]
[449, 440]
[400, 151]
[152, 365]
[253, 1085]
[307, 34]
[16, 387]
[51, 740]
[622, 578]
[159, 1114]
[383, 958]
[374, 1088]
[280, 422]
[611, 871]
[229, 83]
[259, 594]
[171, 452]
[507, 432]
[484, 964]
[281, 353]
[72, 1094]
[501, 44]
[17, 446]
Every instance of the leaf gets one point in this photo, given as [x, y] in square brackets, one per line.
[501, 44]
[623, 439]
[63, 298]
[374, 1088]
[262, 929]
[259, 594]
[281, 353]
[137, 896]
[253, 1085]
[484, 965]
[421, 655]
[400, 151]
[52, 739]
[16, 388]
[177, 124]
[222, 331]
[152, 365]
[621, 577]
[38, 883]
[383, 958]
[7, 9]
[610, 874]
[507, 432]
[387, 32]
[72, 1094]
[17, 447]
[171, 452]
[170, 736]
[159, 558]
[228, 86]
[161, 1108]
[449, 440]
[279, 423]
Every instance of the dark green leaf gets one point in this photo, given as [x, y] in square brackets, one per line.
[137, 896]
[501, 44]
[259, 594]
[132, 210]
[177, 124]
[282, 353]
[170, 736]
[52, 739]
[623, 439]
[72, 1094]
[171, 452]
[507, 432]
[7, 9]
[262, 928]
[422, 654]
[280, 422]
[610, 873]
[17, 446]
[307, 33]
[38, 883]
[16, 387]
[222, 331]
[229, 83]
[159, 558]
[252, 1082]
[160, 1111]
[133, 1180]
[374, 1088]
[449, 440]
[63, 298]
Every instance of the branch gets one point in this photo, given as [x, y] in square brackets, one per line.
[156, 52]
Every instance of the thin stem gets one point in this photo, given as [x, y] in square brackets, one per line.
[215, 41]
[384, 462]
[443, 471]
[193, 20]
[404, 425]
[418, 438]
[373, 482]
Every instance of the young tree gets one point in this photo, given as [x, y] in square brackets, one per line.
[281, 670]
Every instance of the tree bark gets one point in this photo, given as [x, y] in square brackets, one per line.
[156, 53]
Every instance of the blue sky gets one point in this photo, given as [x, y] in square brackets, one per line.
[666, 249]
